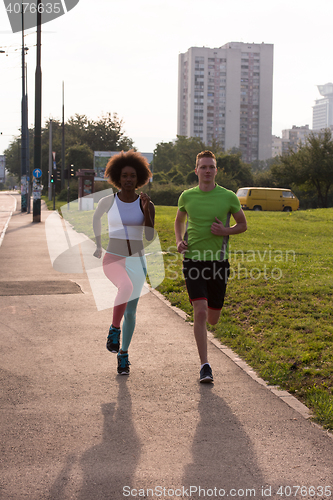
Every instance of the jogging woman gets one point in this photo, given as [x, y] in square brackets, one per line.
[124, 262]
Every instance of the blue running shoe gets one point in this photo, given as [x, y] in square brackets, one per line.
[112, 343]
[206, 374]
[123, 364]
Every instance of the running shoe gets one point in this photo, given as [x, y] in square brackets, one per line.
[123, 364]
[112, 343]
[206, 374]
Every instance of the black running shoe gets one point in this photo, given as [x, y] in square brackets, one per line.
[123, 364]
[112, 343]
[206, 374]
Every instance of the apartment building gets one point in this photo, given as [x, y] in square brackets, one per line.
[226, 94]
[322, 114]
[276, 146]
[293, 137]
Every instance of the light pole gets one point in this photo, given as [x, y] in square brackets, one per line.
[63, 138]
[69, 175]
[38, 117]
[24, 133]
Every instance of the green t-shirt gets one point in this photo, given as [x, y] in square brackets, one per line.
[202, 207]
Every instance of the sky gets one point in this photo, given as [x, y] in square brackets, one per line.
[121, 56]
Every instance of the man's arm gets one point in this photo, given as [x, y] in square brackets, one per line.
[240, 227]
[180, 223]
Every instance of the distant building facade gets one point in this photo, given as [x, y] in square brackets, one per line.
[226, 94]
[322, 115]
[276, 146]
[293, 137]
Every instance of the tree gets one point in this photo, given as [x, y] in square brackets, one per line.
[181, 153]
[175, 176]
[233, 172]
[187, 149]
[164, 157]
[81, 156]
[107, 134]
[265, 179]
[82, 137]
[13, 157]
[161, 178]
[264, 165]
[311, 167]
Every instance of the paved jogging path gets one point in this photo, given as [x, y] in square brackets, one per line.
[72, 429]
[8, 202]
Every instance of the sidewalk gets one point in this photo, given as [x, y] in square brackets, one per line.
[72, 429]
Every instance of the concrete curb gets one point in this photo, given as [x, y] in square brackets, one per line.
[280, 393]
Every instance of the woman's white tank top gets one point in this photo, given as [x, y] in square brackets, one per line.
[125, 220]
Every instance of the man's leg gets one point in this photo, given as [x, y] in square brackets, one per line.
[213, 316]
[200, 312]
[200, 332]
[203, 314]
[216, 291]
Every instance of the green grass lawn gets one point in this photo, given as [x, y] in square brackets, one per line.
[278, 312]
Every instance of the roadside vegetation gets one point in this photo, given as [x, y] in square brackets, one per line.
[307, 169]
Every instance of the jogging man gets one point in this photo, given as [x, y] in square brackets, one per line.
[204, 243]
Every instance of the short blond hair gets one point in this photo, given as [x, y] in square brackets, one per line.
[204, 154]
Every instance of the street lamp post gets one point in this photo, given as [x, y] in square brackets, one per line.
[24, 133]
[38, 117]
[69, 175]
[63, 139]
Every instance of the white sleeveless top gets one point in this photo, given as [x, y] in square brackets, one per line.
[125, 220]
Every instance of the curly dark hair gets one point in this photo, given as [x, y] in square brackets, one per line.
[129, 159]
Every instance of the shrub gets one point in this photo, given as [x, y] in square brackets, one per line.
[73, 192]
[191, 178]
[178, 179]
[161, 178]
[167, 194]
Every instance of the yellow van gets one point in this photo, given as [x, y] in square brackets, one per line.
[259, 198]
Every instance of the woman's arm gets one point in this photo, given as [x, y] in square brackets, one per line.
[102, 207]
[149, 215]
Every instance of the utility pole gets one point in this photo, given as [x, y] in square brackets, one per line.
[27, 156]
[24, 121]
[50, 162]
[38, 117]
[63, 140]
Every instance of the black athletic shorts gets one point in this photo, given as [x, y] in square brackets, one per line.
[206, 280]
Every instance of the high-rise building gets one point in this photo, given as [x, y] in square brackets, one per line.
[293, 137]
[322, 116]
[276, 146]
[226, 94]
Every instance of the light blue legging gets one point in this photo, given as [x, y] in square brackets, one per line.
[134, 268]
[129, 323]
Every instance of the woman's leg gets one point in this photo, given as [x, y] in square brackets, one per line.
[136, 269]
[114, 268]
[129, 324]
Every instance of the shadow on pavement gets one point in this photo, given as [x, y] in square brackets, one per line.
[110, 465]
[222, 453]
